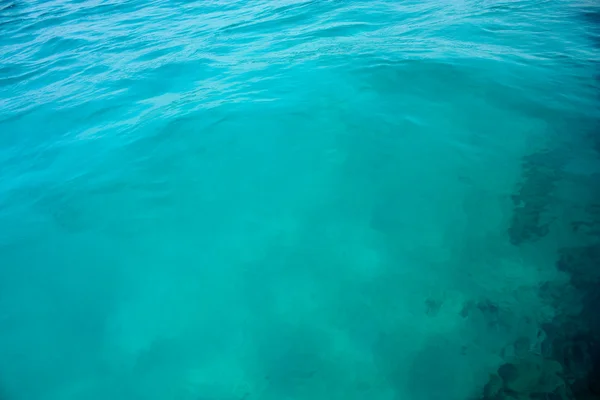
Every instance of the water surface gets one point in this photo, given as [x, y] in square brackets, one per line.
[320, 199]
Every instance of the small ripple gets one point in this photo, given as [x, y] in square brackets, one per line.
[9, 5]
[154, 54]
[266, 25]
[60, 45]
[337, 29]
[76, 53]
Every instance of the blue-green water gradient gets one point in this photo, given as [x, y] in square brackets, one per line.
[226, 200]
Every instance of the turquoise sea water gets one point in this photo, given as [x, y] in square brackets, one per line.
[227, 200]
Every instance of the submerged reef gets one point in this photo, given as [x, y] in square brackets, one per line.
[541, 172]
[566, 364]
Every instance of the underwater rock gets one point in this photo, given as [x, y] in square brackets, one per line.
[494, 387]
[575, 356]
[522, 347]
[551, 379]
[526, 226]
[487, 308]
[594, 381]
[582, 264]
[530, 375]
[541, 172]
[508, 372]
[519, 349]
[495, 316]
[467, 308]
[594, 376]
[573, 370]
[433, 306]
[522, 377]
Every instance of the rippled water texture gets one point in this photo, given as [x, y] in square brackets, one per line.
[285, 200]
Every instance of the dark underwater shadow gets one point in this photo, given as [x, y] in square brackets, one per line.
[572, 339]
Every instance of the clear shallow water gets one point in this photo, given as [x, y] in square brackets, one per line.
[288, 200]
